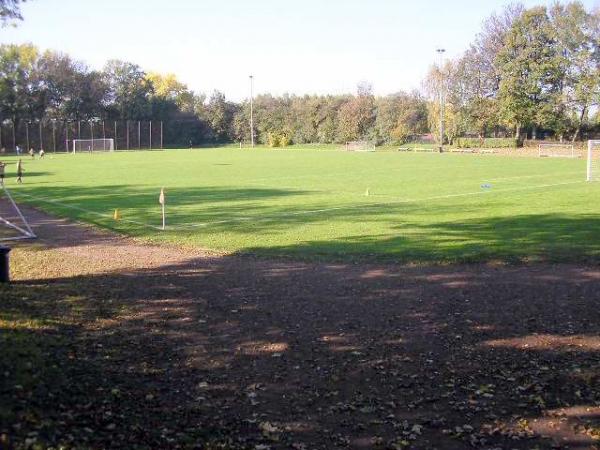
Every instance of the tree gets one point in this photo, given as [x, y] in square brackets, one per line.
[74, 92]
[531, 71]
[400, 116]
[578, 41]
[129, 90]
[220, 114]
[10, 11]
[168, 88]
[22, 91]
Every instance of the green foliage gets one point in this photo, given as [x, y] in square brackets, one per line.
[10, 11]
[485, 143]
[278, 139]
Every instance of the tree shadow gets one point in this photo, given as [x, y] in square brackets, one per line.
[522, 238]
[237, 353]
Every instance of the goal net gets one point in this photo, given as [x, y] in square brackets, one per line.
[593, 161]
[13, 224]
[93, 145]
[556, 151]
[359, 146]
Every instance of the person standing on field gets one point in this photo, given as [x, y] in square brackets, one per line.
[42, 153]
[32, 153]
[20, 171]
[2, 168]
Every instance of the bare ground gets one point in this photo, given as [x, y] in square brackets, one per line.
[109, 343]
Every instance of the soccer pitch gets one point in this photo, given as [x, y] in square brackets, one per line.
[313, 203]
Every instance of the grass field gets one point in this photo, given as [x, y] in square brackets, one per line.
[312, 203]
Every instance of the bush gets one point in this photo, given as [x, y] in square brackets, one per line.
[278, 139]
[486, 143]
[272, 139]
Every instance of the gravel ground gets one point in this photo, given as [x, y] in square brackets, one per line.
[110, 343]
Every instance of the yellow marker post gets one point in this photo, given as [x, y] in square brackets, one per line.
[117, 215]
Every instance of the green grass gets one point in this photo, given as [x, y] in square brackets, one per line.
[311, 202]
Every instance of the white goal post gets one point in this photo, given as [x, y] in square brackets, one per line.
[93, 145]
[593, 161]
[556, 151]
[359, 146]
[13, 224]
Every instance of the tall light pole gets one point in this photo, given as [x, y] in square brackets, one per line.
[252, 110]
[441, 52]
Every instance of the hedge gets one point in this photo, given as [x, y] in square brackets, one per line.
[486, 143]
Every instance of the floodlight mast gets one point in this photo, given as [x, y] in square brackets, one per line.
[441, 51]
[252, 111]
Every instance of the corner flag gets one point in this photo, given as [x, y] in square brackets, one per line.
[161, 200]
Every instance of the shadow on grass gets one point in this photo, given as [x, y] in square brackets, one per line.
[413, 231]
[238, 353]
[532, 237]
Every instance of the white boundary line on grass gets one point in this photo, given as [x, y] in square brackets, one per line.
[298, 213]
[399, 201]
[89, 211]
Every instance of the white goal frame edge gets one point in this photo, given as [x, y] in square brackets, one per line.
[570, 147]
[92, 140]
[590, 152]
[27, 232]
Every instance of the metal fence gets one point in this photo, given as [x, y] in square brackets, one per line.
[58, 135]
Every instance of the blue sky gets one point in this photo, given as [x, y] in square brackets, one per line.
[300, 46]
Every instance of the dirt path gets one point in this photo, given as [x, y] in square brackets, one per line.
[127, 345]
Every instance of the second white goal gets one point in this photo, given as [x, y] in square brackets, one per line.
[557, 150]
[93, 145]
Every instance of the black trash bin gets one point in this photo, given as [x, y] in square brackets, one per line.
[4, 265]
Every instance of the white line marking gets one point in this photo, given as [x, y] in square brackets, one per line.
[78, 208]
[305, 212]
[399, 201]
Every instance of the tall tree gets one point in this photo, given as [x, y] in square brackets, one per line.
[531, 72]
[578, 41]
[22, 91]
[129, 90]
[74, 92]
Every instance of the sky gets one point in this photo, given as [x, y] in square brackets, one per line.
[299, 46]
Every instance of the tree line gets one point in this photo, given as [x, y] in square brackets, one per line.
[532, 72]
[529, 72]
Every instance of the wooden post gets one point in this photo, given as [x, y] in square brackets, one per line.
[116, 140]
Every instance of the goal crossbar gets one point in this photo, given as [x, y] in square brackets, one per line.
[93, 145]
[553, 150]
[359, 146]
